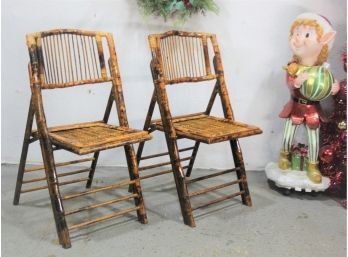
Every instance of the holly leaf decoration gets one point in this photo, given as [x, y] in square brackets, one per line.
[179, 10]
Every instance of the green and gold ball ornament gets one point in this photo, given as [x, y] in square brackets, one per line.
[318, 86]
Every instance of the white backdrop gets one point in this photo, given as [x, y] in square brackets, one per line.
[253, 39]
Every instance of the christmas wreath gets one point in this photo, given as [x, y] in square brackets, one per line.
[180, 10]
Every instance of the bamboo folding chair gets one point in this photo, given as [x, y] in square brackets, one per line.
[179, 57]
[65, 58]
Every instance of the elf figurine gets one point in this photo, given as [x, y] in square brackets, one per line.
[309, 81]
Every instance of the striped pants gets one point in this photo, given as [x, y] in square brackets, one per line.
[313, 139]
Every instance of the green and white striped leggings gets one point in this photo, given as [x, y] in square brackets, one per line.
[313, 139]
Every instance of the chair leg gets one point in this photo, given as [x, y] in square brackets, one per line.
[138, 156]
[145, 128]
[239, 162]
[24, 154]
[20, 174]
[136, 188]
[96, 154]
[91, 172]
[181, 187]
[193, 158]
[21, 170]
[56, 200]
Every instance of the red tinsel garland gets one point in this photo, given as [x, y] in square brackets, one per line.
[333, 154]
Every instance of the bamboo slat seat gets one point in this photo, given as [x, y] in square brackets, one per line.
[95, 137]
[210, 129]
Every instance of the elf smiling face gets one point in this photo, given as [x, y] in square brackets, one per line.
[304, 42]
[310, 39]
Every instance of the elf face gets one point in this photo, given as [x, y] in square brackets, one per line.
[304, 42]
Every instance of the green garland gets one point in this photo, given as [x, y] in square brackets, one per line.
[181, 10]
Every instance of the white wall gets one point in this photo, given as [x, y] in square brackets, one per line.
[253, 40]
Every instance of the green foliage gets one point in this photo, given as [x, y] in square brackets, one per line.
[181, 10]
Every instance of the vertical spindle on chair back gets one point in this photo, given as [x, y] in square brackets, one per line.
[183, 56]
[179, 56]
[68, 57]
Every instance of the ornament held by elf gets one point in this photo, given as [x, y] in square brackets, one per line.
[309, 81]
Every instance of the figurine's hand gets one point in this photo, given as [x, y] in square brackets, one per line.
[335, 87]
[300, 79]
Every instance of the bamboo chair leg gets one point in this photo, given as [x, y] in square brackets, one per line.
[138, 156]
[147, 124]
[181, 187]
[145, 128]
[96, 154]
[193, 158]
[239, 162]
[207, 111]
[53, 189]
[140, 151]
[24, 154]
[134, 175]
[92, 171]
[179, 176]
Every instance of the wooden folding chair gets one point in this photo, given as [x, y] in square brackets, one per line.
[181, 57]
[66, 58]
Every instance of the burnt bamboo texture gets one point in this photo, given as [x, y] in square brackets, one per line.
[60, 59]
[179, 58]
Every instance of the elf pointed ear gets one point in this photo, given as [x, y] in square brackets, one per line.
[328, 37]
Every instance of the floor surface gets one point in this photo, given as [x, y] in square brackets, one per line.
[299, 225]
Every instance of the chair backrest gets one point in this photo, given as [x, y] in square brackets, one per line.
[183, 56]
[179, 57]
[69, 57]
[64, 58]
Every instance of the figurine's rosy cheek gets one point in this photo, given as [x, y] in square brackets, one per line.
[308, 42]
[311, 42]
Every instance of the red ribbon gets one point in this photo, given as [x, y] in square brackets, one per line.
[300, 149]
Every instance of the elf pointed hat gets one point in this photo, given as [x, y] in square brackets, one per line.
[323, 22]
